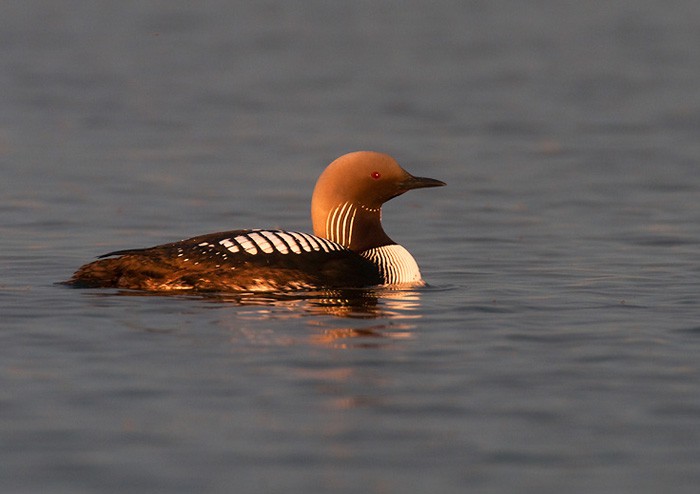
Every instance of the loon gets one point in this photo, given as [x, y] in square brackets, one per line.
[349, 248]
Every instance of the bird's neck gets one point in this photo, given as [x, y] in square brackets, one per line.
[352, 225]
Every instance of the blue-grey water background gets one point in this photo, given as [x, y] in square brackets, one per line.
[557, 348]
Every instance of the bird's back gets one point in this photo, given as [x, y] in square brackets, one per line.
[244, 260]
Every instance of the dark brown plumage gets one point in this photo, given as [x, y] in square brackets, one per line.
[188, 265]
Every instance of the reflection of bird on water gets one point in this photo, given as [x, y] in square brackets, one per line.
[358, 303]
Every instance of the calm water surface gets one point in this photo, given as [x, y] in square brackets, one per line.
[556, 348]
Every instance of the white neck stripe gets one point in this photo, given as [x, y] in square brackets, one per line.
[340, 222]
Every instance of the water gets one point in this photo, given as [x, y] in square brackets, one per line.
[556, 349]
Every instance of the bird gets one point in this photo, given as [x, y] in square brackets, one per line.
[348, 249]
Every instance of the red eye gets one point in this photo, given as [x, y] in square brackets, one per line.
[376, 175]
